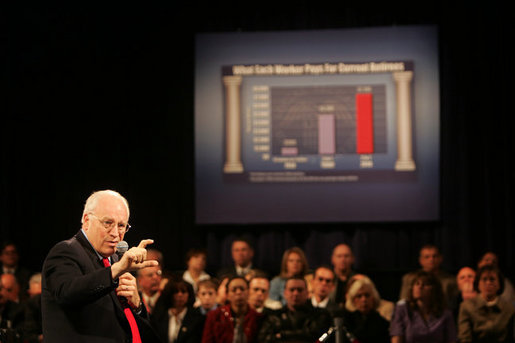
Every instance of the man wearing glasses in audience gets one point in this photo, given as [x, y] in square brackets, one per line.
[322, 286]
[88, 293]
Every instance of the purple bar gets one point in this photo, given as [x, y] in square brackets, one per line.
[326, 134]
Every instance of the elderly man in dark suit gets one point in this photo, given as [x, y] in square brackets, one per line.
[88, 294]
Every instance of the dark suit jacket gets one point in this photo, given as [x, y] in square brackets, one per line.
[191, 327]
[32, 323]
[306, 324]
[78, 300]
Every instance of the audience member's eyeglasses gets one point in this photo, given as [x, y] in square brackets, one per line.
[109, 224]
[321, 279]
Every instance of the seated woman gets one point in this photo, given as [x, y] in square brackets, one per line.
[234, 322]
[174, 318]
[361, 317]
[423, 317]
[294, 263]
[490, 257]
[384, 307]
[486, 317]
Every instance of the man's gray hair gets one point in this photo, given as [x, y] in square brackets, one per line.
[92, 201]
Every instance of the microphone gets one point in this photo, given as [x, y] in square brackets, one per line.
[326, 335]
[121, 248]
[342, 330]
[338, 324]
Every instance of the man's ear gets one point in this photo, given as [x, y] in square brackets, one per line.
[85, 222]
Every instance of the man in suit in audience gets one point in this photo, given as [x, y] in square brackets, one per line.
[259, 288]
[149, 283]
[298, 320]
[322, 286]
[430, 261]
[342, 260]
[242, 254]
[10, 258]
[11, 314]
[11, 287]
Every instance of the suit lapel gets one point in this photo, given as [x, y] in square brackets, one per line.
[96, 263]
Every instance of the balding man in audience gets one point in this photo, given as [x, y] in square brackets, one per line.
[342, 260]
[11, 313]
[149, 283]
[11, 287]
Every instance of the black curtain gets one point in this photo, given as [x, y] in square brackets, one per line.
[103, 98]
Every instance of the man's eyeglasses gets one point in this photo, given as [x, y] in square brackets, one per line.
[321, 279]
[109, 224]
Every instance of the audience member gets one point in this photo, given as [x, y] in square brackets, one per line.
[491, 258]
[206, 296]
[322, 285]
[259, 290]
[196, 264]
[360, 316]
[11, 287]
[342, 260]
[242, 254]
[430, 261]
[33, 328]
[294, 263]
[486, 317]
[11, 314]
[298, 320]
[465, 282]
[157, 255]
[174, 318]
[10, 258]
[235, 322]
[384, 308]
[422, 315]
[149, 283]
[34, 285]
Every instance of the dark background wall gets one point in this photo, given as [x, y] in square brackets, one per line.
[102, 97]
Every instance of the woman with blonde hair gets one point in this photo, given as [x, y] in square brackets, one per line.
[360, 316]
[384, 307]
[294, 263]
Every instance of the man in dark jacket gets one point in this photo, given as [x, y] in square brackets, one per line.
[298, 320]
[88, 294]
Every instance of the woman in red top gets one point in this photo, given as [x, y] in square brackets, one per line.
[235, 322]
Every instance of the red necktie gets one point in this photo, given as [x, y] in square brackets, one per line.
[128, 313]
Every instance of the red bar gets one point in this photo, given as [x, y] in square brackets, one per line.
[364, 124]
